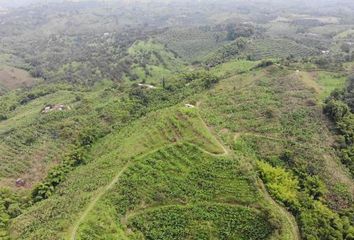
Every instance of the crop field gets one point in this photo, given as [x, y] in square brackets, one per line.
[330, 30]
[276, 48]
[184, 125]
[188, 166]
[281, 29]
[32, 146]
[191, 44]
[34, 141]
[177, 120]
[258, 49]
[197, 162]
[176, 179]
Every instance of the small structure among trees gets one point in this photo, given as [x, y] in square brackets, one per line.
[20, 182]
[187, 105]
[148, 86]
[55, 107]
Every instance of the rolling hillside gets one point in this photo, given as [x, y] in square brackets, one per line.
[177, 120]
[158, 169]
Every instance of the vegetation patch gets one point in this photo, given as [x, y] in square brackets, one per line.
[202, 221]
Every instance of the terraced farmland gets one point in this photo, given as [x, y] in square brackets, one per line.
[277, 48]
[191, 44]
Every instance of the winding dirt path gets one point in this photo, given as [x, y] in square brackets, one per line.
[291, 223]
[100, 193]
[225, 149]
[290, 220]
[281, 210]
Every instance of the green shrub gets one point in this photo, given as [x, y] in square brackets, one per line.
[316, 220]
[265, 63]
[319, 222]
[3, 117]
[282, 184]
[314, 187]
[56, 175]
[11, 205]
[336, 109]
[339, 111]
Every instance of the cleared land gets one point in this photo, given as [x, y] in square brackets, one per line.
[12, 78]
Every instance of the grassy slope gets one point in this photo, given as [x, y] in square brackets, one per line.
[169, 180]
[149, 133]
[282, 109]
[29, 148]
[101, 185]
[12, 73]
[32, 142]
[282, 115]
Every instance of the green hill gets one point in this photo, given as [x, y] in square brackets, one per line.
[152, 62]
[177, 120]
[154, 173]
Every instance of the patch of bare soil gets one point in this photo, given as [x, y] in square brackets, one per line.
[13, 78]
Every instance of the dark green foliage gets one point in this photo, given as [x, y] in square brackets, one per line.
[265, 63]
[88, 136]
[348, 93]
[227, 52]
[3, 117]
[337, 109]
[205, 77]
[314, 187]
[316, 220]
[237, 31]
[319, 222]
[56, 175]
[11, 205]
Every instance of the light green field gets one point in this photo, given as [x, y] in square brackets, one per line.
[329, 82]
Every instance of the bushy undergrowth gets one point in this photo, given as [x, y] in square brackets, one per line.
[337, 108]
[316, 220]
[278, 126]
[12, 204]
